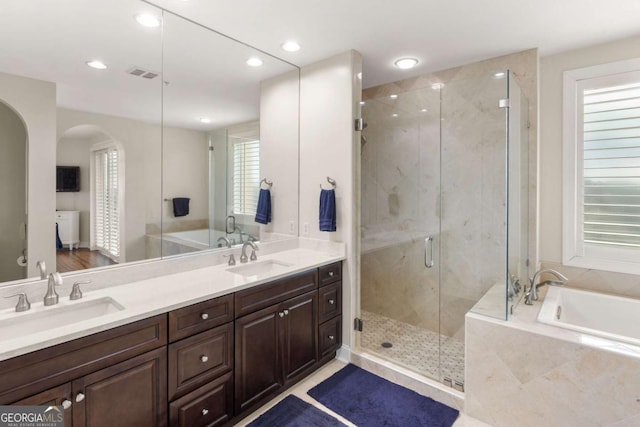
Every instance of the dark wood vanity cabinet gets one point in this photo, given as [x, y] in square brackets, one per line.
[207, 364]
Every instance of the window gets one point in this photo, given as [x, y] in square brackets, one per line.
[246, 177]
[602, 167]
[107, 206]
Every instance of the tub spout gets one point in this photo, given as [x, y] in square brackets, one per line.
[531, 294]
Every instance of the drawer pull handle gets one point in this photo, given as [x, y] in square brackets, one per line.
[205, 412]
[331, 274]
[66, 404]
[79, 397]
[204, 316]
[331, 337]
[204, 359]
[281, 314]
[331, 302]
[286, 312]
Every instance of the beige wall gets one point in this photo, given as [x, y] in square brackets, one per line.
[550, 182]
[35, 102]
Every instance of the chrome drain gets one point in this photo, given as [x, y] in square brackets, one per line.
[387, 344]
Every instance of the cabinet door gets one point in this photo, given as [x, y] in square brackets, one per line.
[132, 393]
[57, 396]
[257, 367]
[299, 334]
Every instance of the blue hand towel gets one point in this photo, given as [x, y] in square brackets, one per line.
[327, 210]
[180, 206]
[263, 211]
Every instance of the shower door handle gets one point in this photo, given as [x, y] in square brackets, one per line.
[428, 252]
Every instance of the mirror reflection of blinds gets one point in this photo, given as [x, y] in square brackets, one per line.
[246, 177]
[107, 221]
[611, 132]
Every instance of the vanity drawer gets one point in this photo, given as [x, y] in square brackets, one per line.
[329, 301]
[196, 360]
[330, 273]
[210, 405]
[330, 336]
[199, 317]
[262, 296]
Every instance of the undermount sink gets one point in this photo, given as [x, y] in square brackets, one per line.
[260, 268]
[41, 318]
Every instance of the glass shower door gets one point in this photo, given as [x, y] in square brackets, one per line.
[400, 170]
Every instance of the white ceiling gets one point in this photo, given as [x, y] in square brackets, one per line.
[440, 33]
[207, 76]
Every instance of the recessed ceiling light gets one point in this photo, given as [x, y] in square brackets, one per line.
[290, 46]
[499, 75]
[99, 65]
[204, 120]
[394, 115]
[424, 110]
[147, 20]
[393, 96]
[254, 62]
[406, 63]
[362, 102]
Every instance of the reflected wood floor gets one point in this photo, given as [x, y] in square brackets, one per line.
[80, 259]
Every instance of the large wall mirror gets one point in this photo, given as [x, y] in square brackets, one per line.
[105, 120]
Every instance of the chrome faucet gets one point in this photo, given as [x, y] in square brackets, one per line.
[42, 267]
[254, 248]
[531, 294]
[51, 297]
[226, 241]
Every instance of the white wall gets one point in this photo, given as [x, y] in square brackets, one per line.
[279, 103]
[551, 69]
[35, 102]
[330, 93]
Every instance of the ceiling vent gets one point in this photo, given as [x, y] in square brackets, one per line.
[141, 72]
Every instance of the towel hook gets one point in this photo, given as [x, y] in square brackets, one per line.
[264, 180]
[331, 181]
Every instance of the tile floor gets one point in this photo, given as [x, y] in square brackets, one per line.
[300, 390]
[413, 348]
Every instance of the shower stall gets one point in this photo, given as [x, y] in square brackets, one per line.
[444, 203]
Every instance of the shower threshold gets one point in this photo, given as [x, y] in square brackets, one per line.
[414, 348]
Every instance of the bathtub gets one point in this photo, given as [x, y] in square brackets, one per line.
[607, 316]
[199, 239]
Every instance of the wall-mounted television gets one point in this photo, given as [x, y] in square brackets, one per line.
[67, 178]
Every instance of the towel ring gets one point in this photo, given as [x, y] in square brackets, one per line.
[264, 180]
[332, 182]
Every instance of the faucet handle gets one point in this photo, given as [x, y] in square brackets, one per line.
[23, 302]
[232, 259]
[76, 293]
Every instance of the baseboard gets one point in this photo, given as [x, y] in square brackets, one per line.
[344, 354]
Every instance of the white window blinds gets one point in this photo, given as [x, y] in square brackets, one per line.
[107, 211]
[246, 177]
[611, 155]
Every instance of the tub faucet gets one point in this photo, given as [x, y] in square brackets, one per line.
[531, 294]
[226, 241]
[51, 297]
[254, 248]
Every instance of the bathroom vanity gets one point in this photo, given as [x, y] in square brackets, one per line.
[202, 364]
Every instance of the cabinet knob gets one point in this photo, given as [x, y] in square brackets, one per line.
[204, 359]
[286, 312]
[205, 412]
[204, 316]
[331, 302]
[79, 397]
[66, 404]
[281, 314]
[331, 274]
[331, 337]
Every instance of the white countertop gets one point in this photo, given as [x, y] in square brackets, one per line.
[147, 298]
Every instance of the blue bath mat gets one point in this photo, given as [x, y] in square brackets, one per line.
[367, 400]
[294, 412]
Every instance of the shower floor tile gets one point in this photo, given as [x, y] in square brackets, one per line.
[413, 348]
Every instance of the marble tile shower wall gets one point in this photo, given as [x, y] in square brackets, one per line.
[401, 184]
